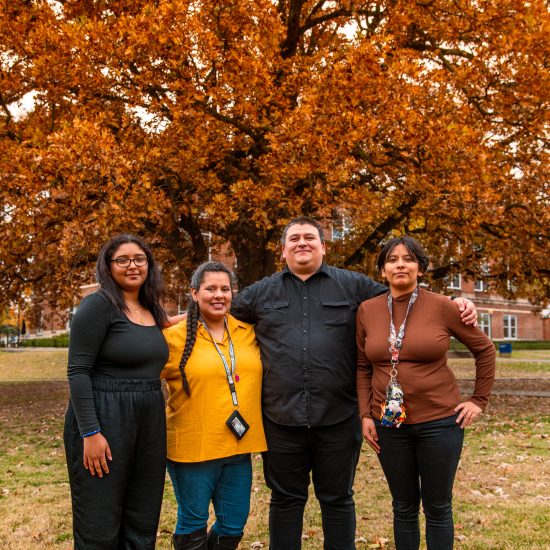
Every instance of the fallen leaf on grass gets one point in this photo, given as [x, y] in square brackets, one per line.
[500, 492]
[380, 542]
[521, 458]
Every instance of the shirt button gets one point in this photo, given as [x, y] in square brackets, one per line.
[305, 331]
[305, 349]
[305, 297]
[305, 314]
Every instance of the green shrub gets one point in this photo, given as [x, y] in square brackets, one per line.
[526, 344]
[516, 344]
[59, 341]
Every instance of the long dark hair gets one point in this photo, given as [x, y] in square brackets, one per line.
[151, 292]
[193, 312]
[412, 245]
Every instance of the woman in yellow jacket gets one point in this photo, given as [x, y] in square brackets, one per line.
[214, 421]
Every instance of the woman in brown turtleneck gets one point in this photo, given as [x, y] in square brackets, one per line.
[420, 455]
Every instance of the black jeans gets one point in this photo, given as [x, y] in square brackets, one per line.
[420, 462]
[122, 509]
[330, 455]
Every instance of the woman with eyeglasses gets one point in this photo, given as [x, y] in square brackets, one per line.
[214, 379]
[115, 424]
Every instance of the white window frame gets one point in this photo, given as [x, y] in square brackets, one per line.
[340, 228]
[510, 327]
[480, 286]
[455, 281]
[207, 236]
[484, 322]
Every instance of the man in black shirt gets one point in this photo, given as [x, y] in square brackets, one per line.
[304, 319]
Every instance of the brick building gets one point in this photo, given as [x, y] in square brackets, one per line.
[503, 319]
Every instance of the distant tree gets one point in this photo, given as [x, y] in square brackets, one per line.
[8, 325]
[181, 120]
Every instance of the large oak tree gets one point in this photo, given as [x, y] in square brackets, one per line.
[208, 122]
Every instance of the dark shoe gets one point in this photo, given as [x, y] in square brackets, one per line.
[191, 541]
[215, 542]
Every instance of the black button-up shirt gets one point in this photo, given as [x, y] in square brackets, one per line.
[306, 332]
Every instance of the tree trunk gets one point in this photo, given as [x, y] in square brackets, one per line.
[254, 259]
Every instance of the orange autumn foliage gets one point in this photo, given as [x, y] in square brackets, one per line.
[176, 119]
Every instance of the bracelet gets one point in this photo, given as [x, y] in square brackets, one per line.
[91, 433]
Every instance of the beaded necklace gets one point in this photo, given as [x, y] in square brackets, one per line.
[393, 409]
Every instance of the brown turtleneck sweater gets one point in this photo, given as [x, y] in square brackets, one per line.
[429, 385]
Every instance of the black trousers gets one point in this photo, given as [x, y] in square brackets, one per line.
[122, 509]
[420, 463]
[330, 455]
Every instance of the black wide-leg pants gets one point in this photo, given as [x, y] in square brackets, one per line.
[121, 510]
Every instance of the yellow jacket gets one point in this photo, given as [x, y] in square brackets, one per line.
[196, 426]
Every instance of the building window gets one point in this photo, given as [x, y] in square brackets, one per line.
[484, 323]
[340, 227]
[480, 286]
[207, 236]
[510, 326]
[454, 281]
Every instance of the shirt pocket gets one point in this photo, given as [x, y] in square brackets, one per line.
[276, 313]
[335, 313]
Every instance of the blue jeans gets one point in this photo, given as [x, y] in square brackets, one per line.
[225, 481]
[420, 462]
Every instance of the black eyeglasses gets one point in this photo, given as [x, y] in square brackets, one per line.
[123, 261]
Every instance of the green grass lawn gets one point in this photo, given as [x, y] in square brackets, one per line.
[501, 492]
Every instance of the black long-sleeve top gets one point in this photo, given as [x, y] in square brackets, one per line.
[105, 343]
[306, 331]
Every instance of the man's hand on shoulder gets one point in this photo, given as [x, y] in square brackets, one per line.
[468, 311]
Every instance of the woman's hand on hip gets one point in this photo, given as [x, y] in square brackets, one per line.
[469, 412]
[96, 454]
[369, 433]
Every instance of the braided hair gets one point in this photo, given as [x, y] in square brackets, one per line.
[193, 312]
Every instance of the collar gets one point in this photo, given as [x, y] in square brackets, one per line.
[323, 269]
[233, 324]
[406, 297]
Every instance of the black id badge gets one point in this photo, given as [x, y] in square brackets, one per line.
[237, 424]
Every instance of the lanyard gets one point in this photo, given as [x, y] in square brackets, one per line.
[396, 339]
[228, 370]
